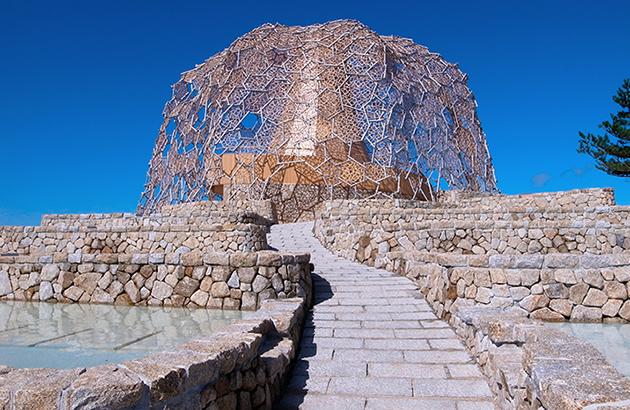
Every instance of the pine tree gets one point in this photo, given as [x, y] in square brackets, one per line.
[611, 151]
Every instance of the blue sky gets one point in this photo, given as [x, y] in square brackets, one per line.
[84, 84]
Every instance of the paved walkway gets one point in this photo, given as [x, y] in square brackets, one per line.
[372, 341]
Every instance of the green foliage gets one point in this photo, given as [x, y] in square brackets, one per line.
[611, 151]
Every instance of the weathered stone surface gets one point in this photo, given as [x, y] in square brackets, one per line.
[219, 290]
[533, 302]
[234, 281]
[49, 272]
[187, 286]
[200, 298]
[561, 306]
[45, 291]
[624, 312]
[578, 292]
[595, 297]
[161, 290]
[102, 297]
[611, 308]
[586, 314]
[260, 283]
[132, 290]
[105, 387]
[43, 392]
[243, 259]
[87, 281]
[73, 293]
[5, 283]
[547, 315]
[615, 290]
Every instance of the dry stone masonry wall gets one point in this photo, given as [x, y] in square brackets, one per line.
[558, 256]
[217, 280]
[204, 226]
[574, 222]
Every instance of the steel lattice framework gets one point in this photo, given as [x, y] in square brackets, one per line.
[300, 115]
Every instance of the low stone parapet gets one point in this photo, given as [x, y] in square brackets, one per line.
[578, 288]
[531, 366]
[219, 280]
[203, 226]
[243, 366]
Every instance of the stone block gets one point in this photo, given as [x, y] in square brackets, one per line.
[220, 273]
[105, 387]
[586, 314]
[615, 290]
[561, 306]
[556, 291]
[49, 272]
[186, 287]
[269, 258]
[566, 276]
[624, 311]
[243, 259]
[219, 290]
[595, 297]
[534, 302]
[87, 281]
[193, 258]
[611, 308]
[578, 292]
[161, 290]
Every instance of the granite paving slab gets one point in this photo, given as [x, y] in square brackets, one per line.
[372, 341]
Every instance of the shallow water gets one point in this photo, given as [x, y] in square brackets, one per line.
[63, 335]
[612, 340]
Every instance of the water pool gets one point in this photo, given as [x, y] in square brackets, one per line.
[612, 340]
[63, 336]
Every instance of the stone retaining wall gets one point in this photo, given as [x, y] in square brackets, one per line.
[204, 226]
[219, 280]
[568, 222]
[556, 287]
[531, 366]
[242, 366]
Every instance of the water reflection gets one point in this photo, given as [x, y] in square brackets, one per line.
[612, 340]
[60, 335]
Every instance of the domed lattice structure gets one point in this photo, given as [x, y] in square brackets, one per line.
[300, 115]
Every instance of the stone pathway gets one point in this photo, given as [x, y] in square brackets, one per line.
[372, 341]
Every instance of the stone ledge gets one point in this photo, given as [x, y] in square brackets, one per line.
[531, 366]
[246, 363]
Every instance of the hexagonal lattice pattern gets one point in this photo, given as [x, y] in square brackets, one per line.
[301, 115]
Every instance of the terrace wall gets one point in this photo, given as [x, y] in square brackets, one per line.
[217, 280]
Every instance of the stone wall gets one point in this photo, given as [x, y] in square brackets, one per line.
[218, 280]
[557, 256]
[242, 366]
[531, 366]
[205, 226]
[553, 287]
[573, 222]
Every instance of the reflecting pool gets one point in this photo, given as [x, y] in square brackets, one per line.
[612, 340]
[63, 335]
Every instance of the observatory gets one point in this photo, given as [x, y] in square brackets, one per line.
[301, 115]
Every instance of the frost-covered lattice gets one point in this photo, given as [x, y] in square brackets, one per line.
[300, 115]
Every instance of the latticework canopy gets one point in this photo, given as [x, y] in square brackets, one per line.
[300, 115]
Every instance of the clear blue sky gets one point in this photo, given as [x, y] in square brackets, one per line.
[83, 85]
